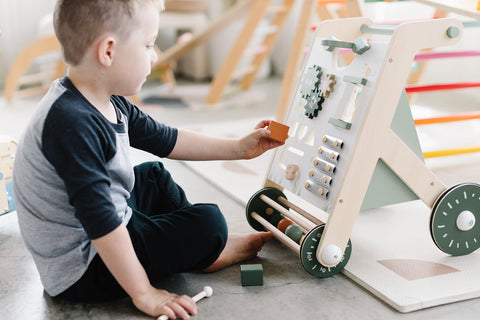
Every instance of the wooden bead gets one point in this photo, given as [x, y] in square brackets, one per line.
[294, 232]
[283, 224]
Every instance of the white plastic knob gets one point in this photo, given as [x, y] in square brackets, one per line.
[331, 255]
[208, 291]
[465, 220]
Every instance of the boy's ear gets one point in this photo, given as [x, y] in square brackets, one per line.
[106, 51]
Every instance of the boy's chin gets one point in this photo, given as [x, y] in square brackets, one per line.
[129, 93]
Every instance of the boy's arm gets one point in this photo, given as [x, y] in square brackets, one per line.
[116, 251]
[196, 146]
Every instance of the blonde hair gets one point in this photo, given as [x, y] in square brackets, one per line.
[78, 23]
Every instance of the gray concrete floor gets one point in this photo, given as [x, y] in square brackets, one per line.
[288, 291]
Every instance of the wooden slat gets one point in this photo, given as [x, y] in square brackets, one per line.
[179, 50]
[223, 76]
[24, 61]
[296, 58]
[268, 42]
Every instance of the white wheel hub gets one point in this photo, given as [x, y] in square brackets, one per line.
[331, 255]
[465, 220]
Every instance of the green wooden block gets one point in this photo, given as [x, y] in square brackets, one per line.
[252, 274]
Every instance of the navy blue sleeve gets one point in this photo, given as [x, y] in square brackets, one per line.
[145, 133]
[79, 144]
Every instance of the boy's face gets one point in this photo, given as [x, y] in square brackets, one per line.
[135, 55]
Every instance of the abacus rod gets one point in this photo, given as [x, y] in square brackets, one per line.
[306, 226]
[377, 29]
[277, 233]
[304, 213]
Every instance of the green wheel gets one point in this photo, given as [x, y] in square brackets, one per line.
[308, 255]
[453, 224]
[255, 204]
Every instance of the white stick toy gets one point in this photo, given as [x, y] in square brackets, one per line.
[206, 292]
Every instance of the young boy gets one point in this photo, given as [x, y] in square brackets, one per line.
[97, 228]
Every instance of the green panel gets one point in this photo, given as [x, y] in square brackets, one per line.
[385, 186]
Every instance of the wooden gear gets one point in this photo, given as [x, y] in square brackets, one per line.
[361, 150]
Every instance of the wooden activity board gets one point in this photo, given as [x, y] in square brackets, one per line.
[325, 122]
[7, 150]
[353, 145]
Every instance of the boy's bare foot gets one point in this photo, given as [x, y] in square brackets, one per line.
[240, 247]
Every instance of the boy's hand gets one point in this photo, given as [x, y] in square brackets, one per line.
[157, 302]
[257, 142]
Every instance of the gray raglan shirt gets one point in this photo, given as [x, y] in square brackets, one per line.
[72, 177]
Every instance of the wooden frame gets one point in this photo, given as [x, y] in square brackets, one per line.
[258, 11]
[23, 62]
[466, 8]
[179, 50]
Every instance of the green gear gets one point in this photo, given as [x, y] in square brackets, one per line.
[313, 105]
[310, 81]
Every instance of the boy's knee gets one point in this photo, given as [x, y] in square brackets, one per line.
[211, 225]
[212, 232]
[213, 220]
[151, 169]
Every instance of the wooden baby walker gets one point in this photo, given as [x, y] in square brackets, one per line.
[353, 146]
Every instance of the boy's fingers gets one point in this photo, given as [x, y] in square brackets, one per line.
[266, 132]
[188, 303]
[179, 311]
[263, 124]
[167, 311]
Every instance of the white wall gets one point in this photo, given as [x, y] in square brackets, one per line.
[19, 21]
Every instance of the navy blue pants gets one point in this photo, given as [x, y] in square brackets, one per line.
[169, 235]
